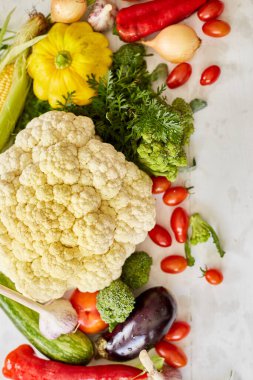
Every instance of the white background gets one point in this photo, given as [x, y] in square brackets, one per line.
[221, 317]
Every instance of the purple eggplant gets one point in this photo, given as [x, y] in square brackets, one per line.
[154, 313]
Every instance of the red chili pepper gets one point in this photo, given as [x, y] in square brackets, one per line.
[22, 363]
[140, 20]
[179, 223]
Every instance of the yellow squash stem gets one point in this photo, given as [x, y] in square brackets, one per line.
[14, 79]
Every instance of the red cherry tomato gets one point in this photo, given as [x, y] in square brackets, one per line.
[179, 223]
[211, 10]
[160, 185]
[216, 28]
[175, 195]
[89, 318]
[179, 75]
[178, 331]
[173, 355]
[174, 264]
[210, 75]
[213, 276]
[160, 236]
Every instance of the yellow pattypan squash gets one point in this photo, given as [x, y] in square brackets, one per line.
[60, 63]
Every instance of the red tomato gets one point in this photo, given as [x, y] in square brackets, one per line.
[210, 75]
[160, 184]
[160, 236]
[216, 28]
[212, 9]
[179, 75]
[213, 276]
[174, 264]
[175, 195]
[173, 355]
[88, 316]
[178, 331]
[179, 223]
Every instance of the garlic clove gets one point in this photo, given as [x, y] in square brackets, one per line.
[58, 318]
[102, 15]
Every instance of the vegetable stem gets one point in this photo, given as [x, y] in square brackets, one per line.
[21, 299]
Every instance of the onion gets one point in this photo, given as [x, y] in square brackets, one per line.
[67, 11]
[176, 43]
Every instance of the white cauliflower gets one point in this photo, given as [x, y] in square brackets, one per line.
[72, 208]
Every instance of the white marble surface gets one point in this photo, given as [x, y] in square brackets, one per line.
[221, 317]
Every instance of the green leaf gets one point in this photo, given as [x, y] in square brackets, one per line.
[160, 72]
[5, 25]
[157, 360]
[115, 30]
[16, 50]
[197, 105]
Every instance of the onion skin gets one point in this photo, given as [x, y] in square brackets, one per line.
[176, 43]
[67, 11]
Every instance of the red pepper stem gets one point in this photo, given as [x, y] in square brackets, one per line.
[22, 363]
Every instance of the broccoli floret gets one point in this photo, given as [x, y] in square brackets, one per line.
[202, 231]
[136, 270]
[115, 303]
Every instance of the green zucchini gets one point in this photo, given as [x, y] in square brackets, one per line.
[75, 348]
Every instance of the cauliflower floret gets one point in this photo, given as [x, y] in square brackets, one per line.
[70, 208]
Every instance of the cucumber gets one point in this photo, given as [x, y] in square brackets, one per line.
[75, 348]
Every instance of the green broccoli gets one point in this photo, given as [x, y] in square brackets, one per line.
[136, 270]
[115, 303]
[202, 231]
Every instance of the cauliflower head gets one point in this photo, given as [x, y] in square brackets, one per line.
[72, 208]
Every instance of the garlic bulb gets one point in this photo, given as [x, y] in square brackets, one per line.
[58, 317]
[102, 15]
[55, 319]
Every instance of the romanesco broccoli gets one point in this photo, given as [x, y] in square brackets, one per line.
[115, 303]
[136, 270]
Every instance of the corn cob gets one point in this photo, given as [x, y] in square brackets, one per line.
[5, 83]
[14, 80]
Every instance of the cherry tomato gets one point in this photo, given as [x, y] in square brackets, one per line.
[179, 223]
[178, 331]
[89, 318]
[216, 28]
[211, 10]
[213, 276]
[173, 355]
[179, 75]
[210, 75]
[160, 236]
[173, 264]
[175, 195]
[160, 185]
